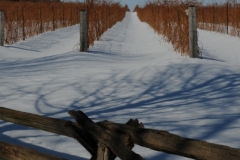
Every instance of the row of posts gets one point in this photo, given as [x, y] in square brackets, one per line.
[193, 38]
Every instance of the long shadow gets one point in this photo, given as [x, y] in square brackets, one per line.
[212, 59]
[21, 48]
[164, 156]
[101, 53]
[206, 55]
[138, 93]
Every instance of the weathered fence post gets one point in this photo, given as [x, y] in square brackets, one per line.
[2, 26]
[103, 152]
[83, 31]
[193, 38]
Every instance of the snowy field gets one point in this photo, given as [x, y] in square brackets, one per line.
[129, 73]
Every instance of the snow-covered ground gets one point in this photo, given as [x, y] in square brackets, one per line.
[130, 73]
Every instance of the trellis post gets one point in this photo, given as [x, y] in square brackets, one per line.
[193, 38]
[2, 26]
[83, 31]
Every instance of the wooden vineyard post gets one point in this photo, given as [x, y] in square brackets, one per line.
[53, 20]
[2, 19]
[227, 15]
[193, 38]
[23, 24]
[83, 31]
[40, 17]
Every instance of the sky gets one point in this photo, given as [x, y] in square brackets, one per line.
[132, 3]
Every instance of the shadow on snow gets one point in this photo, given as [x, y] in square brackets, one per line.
[137, 93]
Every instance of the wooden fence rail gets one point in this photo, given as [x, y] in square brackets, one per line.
[107, 140]
[10, 151]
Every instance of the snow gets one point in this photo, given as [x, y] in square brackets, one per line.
[129, 73]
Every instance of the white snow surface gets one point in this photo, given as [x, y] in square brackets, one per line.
[129, 73]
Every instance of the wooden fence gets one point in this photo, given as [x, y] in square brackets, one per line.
[107, 140]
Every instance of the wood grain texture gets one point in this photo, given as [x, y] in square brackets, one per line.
[119, 139]
[83, 137]
[125, 138]
[174, 144]
[14, 152]
[48, 124]
[111, 141]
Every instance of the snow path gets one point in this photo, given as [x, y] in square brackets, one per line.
[120, 41]
[130, 73]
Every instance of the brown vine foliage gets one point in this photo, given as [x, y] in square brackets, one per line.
[27, 19]
[223, 18]
[102, 16]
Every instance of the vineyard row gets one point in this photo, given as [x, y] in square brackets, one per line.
[223, 18]
[27, 19]
[171, 20]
